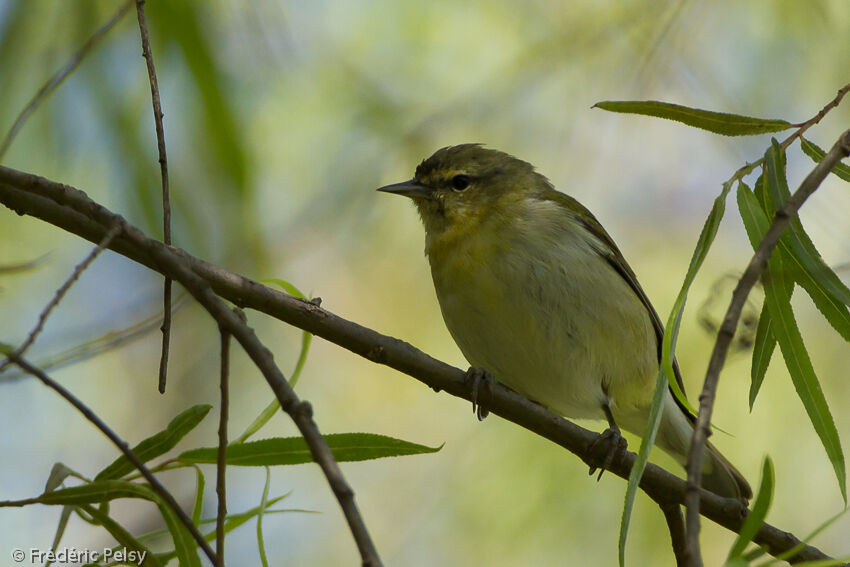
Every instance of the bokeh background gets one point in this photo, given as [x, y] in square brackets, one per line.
[281, 119]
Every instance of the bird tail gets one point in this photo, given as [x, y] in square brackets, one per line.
[718, 474]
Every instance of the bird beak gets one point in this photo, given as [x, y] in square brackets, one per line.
[410, 188]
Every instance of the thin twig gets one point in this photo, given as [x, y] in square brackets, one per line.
[174, 264]
[88, 349]
[749, 278]
[784, 144]
[221, 460]
[122, 445]
[72, 210]
[60, 75]
[299, 411]
[676, 525]
[60, 293]
[166, 200]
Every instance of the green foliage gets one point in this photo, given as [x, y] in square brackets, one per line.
[784, 328]
[294, 450]
[763, 347]
[90, 499]
[716, 122]
[646, 444]
[813, 151]
[306, 339]
[795, 260]
[758, 512]
[158, 444]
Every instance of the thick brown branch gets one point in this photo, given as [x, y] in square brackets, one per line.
[74, 212]
[751, 275]
[178, 266]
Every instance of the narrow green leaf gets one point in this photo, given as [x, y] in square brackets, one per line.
[57, 476]
[233, 521]
[765, 341]
[813, 151]
[61, 526]
[671, 331]
[786, 555]
[268, 412]
[124, 538]
[655, 413]
[185, 546]
[198, 508]
[826, 289]
[805, 381]
[760, 507]
[306, 339]
[763, 348]
[261, 544]
[717, 122]
[294, 450]
[791, 344]
[287, 287]
[96, 492]
[158, 444]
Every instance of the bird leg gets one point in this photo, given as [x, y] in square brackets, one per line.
[479, 376]
[609, 446]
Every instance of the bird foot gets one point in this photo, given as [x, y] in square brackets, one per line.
[609, 447]
[479, 377]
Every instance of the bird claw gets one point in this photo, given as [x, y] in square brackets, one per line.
[609, 447]
[479, 376]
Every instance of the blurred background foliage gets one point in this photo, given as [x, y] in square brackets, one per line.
[280, 120]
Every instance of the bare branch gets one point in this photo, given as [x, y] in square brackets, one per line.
[221, 462]
[166, 200]
[175, 264]
[122, 445]
[73, 211]
[60, 293]
[702, 427]
[53, 82]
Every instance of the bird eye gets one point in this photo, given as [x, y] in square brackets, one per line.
[460, 182]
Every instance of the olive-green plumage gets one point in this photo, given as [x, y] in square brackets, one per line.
[534, 290]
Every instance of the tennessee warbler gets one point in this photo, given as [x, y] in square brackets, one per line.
[534, 290]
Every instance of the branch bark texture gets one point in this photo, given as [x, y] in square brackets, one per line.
[72, 210]
[702, 427]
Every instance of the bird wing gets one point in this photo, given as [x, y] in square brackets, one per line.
[615, 258]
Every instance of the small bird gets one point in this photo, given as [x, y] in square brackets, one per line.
[534, 291]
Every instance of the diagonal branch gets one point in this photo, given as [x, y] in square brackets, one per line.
[156, 486]
[72, 210]
[751, 275]
[53, 82]
[60, 293]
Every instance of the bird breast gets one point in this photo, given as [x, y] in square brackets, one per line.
[532, 301]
